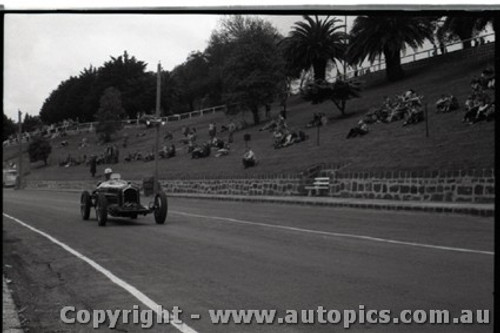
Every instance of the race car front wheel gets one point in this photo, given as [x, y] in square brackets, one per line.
[85, 204]
[101, 209]
[160, 207]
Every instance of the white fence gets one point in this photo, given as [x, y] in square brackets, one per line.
[416, 56]
[76, 128]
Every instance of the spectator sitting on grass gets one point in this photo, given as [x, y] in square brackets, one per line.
[359, 130]
[83, 143]
[216, 142]
[224, 151]
[414, 116]
[201, 151]
[168, 136]
[271, 125]
[249, 158]
[446, 103]
[278, 137]
[212, 129]
[487, 79]
[481, 111]
[167, 152]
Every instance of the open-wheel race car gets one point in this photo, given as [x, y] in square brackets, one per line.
[119, 198]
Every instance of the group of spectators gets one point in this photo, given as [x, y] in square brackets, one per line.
[406, 107]
[283, 135]
[479, 105]
[69, 161]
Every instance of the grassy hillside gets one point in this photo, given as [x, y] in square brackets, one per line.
[451, 145]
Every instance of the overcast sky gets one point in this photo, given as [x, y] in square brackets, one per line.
[41, 50]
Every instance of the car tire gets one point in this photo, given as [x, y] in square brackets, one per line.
[85, 204]
[101, 210]
[133, 216]
[160, 207]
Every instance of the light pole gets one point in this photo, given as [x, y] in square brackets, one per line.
[345, 40]
[20, 161]
[158, 94]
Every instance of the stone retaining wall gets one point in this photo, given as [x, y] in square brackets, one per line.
[282, 186]
[476, 186]
[449, 186]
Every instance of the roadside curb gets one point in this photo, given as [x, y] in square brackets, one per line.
[10, 319]
[486, 210]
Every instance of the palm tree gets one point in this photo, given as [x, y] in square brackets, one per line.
[483, 21]
[462, 27]
[314, 43]
[372, 36]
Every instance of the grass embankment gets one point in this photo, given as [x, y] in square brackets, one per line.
[451, 145]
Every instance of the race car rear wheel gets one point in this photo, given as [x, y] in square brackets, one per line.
[160, 207]
[101, 210]
[85, 204]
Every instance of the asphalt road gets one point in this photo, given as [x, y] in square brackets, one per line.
[235, 255]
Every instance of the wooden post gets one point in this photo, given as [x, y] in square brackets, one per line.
[157, 142]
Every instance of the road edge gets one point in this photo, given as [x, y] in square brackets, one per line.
[10, 319]
[476, 209]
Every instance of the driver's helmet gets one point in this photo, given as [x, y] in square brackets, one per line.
[107, 173]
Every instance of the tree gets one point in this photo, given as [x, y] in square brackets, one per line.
[110, 114]
[315, 43]
[79, 97]
[192, 79]
[461, 27]
[9, 127]
[372, 36]
[339, 92]
[31, 123]
[254, 68]
[39, 149]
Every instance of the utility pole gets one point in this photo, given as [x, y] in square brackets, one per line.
[157, 144]
[345, 31]
[426, 122]
[20, 161]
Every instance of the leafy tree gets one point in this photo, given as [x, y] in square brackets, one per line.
[461, 27]
[216, 53]
[79, 97]
[110, 114]
[314, 43]
[254, 68]
[339, 92]
[192, 81]
[31, 123]
[9, 127]
[39, 149]
[372, 36]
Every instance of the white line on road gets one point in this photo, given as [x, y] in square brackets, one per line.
[182, 327]
[334, 234]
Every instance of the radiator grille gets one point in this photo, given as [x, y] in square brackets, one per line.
[130, 195]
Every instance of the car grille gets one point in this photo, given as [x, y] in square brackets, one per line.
[130, 195]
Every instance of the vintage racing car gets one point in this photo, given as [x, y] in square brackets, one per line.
[120, 198]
